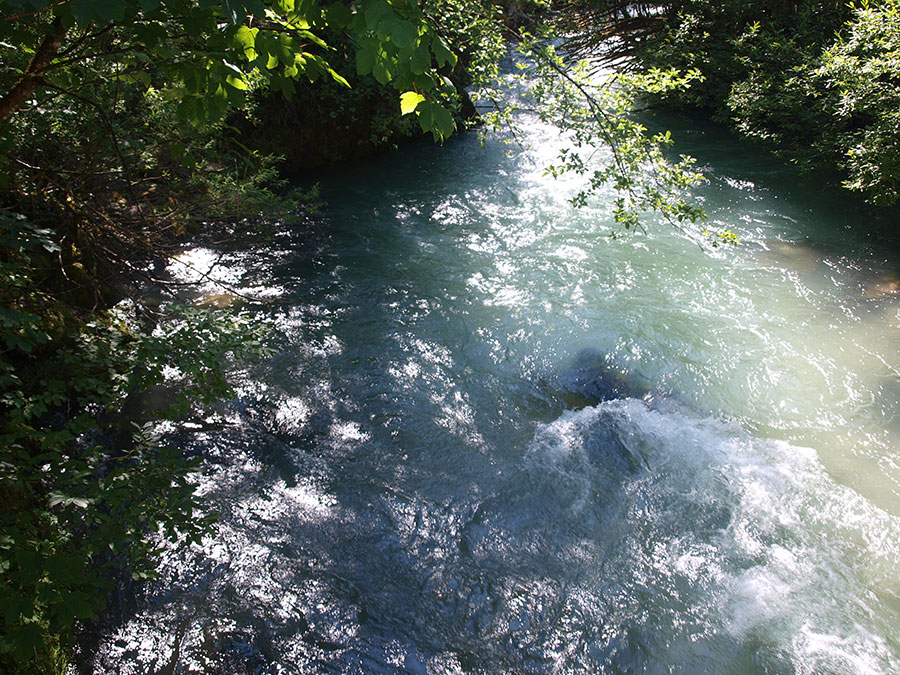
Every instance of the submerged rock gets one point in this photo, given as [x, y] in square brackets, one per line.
[884, 286]
[592, 379]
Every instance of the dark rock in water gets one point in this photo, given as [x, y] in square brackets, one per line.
[595, 379]
[592, 379]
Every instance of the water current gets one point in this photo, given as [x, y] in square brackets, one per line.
[492, 439]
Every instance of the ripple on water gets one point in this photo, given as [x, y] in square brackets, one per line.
[625, 539]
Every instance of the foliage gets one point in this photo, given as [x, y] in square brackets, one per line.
[815, 80]
[860, 74]
[80, 499]
[325, 122]
[120, 176]
[593, 112]
[476, 32]
[207, 55]
[397, 45]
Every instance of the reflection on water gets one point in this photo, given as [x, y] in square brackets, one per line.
[493, 439]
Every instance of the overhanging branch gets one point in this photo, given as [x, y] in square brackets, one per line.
[40, 62]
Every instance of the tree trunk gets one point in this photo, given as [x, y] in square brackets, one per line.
[30, 79]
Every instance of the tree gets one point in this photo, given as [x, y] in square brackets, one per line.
[815, 80]
[207, 54]
[858, 82]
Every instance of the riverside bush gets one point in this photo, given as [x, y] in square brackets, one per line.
[79, 499]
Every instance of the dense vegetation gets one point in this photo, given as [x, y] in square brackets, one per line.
[127, 126]
[817, 81]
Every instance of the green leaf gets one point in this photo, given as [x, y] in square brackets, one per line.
[28, 639]
[86, 11]
[409, 100]
[245, 40]
[287, 47]
[57, 499]
[82, 12]
[436, 119]
[404, 33]
[245, 36]
[237, 82]
[140, 77]
[366, 56]
[424, 82]
[381, 72]
[337, 77]
[234, 11]
[375, 12]
[442, 52]
[173, 93]
[420, 60]
[425, 115]
[338, 16]
[255, 7]
[312, 37]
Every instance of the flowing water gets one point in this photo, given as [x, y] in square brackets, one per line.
[427, 476]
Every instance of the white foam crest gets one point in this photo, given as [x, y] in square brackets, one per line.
[797, 561]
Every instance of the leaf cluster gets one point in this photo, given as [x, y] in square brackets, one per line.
[81, 499]
[859, 77]
[814, 80]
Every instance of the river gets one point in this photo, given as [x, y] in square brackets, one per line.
[425, 476]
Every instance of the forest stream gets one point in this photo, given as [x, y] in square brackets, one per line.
[494, 439]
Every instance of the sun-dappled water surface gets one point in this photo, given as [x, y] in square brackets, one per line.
[425, 476]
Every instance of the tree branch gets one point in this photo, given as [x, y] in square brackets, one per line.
[30, 79]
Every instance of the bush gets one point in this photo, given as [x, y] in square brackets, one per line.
[818, 82]
[860, 75]
[80, 498]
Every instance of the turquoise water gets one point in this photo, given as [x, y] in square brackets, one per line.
[426, 478]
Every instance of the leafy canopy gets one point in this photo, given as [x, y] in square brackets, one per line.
[208, 54]
[816, 81]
